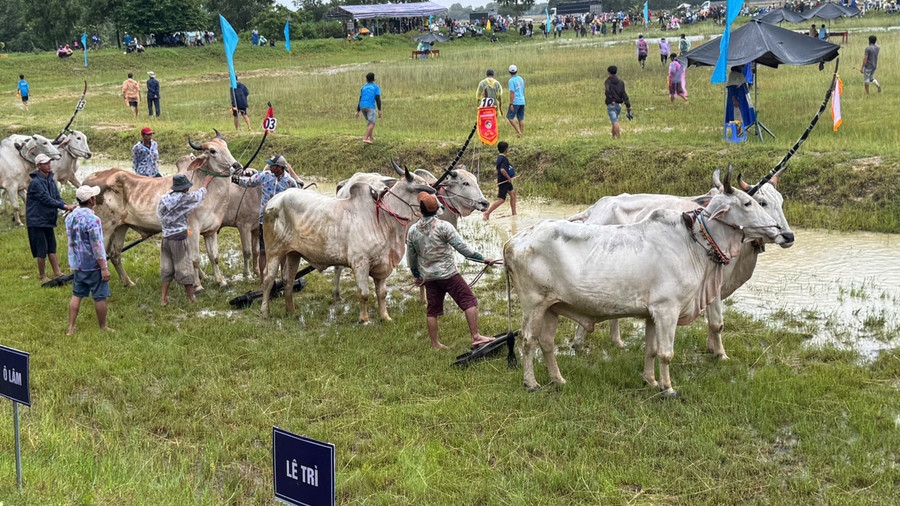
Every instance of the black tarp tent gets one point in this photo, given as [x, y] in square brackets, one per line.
[764, 44]
[824, 11]
[431, 37]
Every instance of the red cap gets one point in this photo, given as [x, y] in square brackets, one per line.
[146, 131]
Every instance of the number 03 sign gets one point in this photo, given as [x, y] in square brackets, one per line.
[269, 123]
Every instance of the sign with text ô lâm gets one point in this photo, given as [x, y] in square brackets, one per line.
[14, 381]
[303, 469]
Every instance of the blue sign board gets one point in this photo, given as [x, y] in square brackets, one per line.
[14, 379]
[303, 469]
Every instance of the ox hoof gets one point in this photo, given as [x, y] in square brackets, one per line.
[668, 393]
[364, 323]
[532, 388]
[650, 381]
[618, 343]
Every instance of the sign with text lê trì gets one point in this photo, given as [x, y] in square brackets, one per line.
[14, 381]
[303, 469]
[487, 122]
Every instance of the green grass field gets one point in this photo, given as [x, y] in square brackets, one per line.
[178, 405]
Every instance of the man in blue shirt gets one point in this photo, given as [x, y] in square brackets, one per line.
[152, 93]
[273, 181]
[369, 99]
[516, 101]
[23, 90]
[87, 257]
[239, 105]
[145, 155]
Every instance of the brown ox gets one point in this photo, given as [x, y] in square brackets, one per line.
[128, 200]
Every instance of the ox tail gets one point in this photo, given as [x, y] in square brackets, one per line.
[510, 335]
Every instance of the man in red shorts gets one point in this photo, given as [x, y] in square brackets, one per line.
[429, 253]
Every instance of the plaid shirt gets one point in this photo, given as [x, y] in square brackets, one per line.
[270, 184]
[85, 236]
[173, 210]
[429, 249]
[145, 161]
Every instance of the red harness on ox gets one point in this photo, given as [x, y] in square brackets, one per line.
[443, 200]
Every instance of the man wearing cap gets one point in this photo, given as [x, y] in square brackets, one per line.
[41, 209]
[490, 88]
[145, 155]
[273, 181]
[429, 253]
[131, 92]
[175, 262]
[516, 101]
[87, 257]
[152, 93]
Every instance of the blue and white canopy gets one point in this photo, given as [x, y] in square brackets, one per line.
[413, 10]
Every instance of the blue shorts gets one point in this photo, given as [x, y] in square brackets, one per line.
[90, 283]
[516, 112]
[614, 111]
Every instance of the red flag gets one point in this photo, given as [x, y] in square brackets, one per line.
[487, 125]
[269, 121]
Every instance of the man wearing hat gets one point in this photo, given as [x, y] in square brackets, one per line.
[175, 261]
[516, 101]
[41, 209]
[145, 155]
[152, 93]
[429, 253]
[273, 181]
[87, 257]
[490, 88]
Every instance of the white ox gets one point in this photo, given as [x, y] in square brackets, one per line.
[128, 200]
[17, 153]
[365, 231]
[242, 214]
[662, 269]
[624, 209]
[72, 146]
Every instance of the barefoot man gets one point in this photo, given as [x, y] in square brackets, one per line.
[87, 257]
[429, 253]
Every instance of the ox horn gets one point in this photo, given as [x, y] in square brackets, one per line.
[218, 134]
[717, 181]
[453, 173]
[408, 175]
[727, 182]
[397, 168]
[743, 184]
[423, 188]
[194, 146]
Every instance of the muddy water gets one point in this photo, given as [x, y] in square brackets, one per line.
[99, 162]
[841, 289]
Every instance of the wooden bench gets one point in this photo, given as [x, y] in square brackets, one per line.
[843, 35]
[433, 53]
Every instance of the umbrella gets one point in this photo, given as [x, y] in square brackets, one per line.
[431, 37]
[767, 45]
[761, 43]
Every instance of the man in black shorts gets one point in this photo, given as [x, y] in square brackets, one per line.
[239, 105]
[41, 209]
[505, 175]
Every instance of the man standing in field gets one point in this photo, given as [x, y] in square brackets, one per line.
[23, 90]
[516, 101]
[152, 94]
[369, 99]
[239, 105]
[615, 97]
[664, 50]
[430, 245]
[145, 155]
[676, 77]
[870, 63]
[131, 92]
[173, 211]
[273, 181]
[490, 88]
[87, 257]
[684, 45]
[41, 210]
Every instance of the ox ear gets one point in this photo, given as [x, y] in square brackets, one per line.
[340, 185]
[197, 162]
[716, 208]
[389, 182]
[744, 186]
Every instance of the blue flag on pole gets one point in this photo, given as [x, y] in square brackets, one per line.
[84, 46]
[549, 22]
[646, 13]
[720, 73]
[287, 36]
[231, 41]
